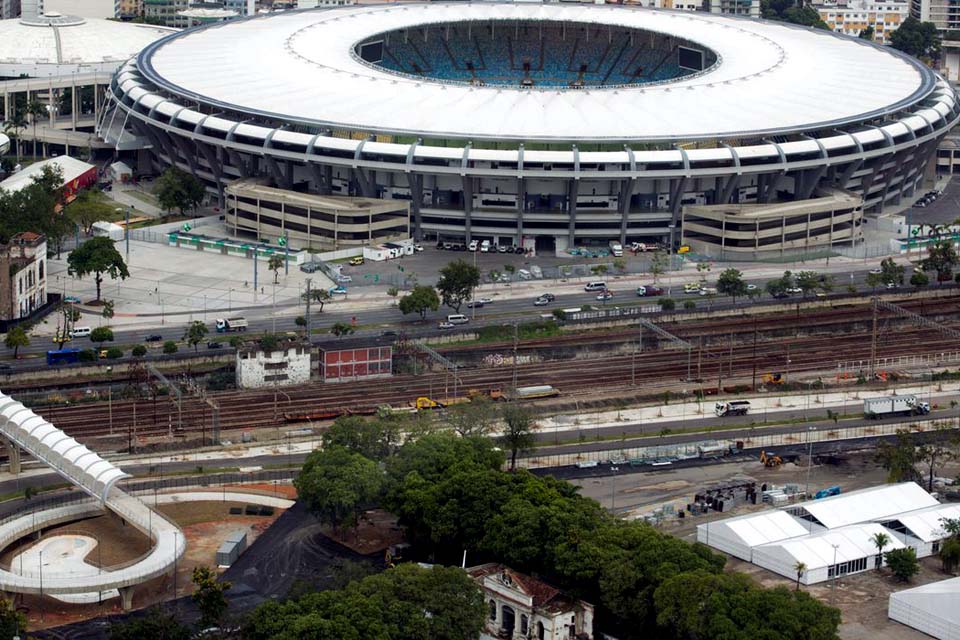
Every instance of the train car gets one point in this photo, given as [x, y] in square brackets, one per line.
[539, 391]
[63, 356]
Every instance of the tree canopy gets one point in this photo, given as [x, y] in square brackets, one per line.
[730, 283]
[404, 603]
[792, 11]
[373, 439]
[97, 256]
[941, 258]
[176, 189]
[89, 207]
[915, 38]
[35, 208]
[457, 281]
[420, 300]
[336, 484]
[195, 333]
[16, 338]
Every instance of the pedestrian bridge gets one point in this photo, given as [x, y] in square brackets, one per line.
[24, 429]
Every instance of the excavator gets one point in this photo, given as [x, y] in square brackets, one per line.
[770, 459]
[774, 378]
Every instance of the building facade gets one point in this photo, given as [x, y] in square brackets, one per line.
[167, 12]
[945, 14]
[9, 9]
[522, 607]
[355, 360]
[23, 275]
[749, 8]
[82, 8]
[851, 17]
[286, 365]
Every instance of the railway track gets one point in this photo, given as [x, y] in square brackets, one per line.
[661, 369]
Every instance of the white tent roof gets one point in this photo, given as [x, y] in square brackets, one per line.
[121, 167]
[876, 503]
[933, 608]
[71, 167]
[852, 543]
[925, 523]
[761, 528]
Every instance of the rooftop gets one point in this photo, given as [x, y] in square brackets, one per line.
[873, 504]
[771, 77]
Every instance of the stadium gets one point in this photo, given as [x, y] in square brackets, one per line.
[542, 125]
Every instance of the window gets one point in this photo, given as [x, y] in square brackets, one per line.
[523, 624]
[40, 269]
[493, 610]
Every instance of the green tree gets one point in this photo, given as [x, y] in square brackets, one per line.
[421, 300]
[599, 270]
[139, 351]
[89, 207]
[874, 280]
[402, 603]
[474, 418]
[300, 321]
[867, 34]
[169, 347]
[209, 595]
[915, 38]
[12, 622]
[807, 281]
[799, 568]
[269, 342]
[14, 128]
[899, 458]
[320, 296]
[668, 304]
[107, 312]
[891, 272]
[658, 264]
[689, 305]
[158, 624]
[730, 283]
[941, 258]
[337, 484]
[519, 427]
[950, 554]
[176, 189]
[902, 563]
[341, 329]
[276, 263]
[101, 335]
[703, 270]
[620, 264]
[114, 352]
[194, 334]
[373, 439]
[456, 284]
[97, 256]
[16, 337]
[35, 109]
[880, 540]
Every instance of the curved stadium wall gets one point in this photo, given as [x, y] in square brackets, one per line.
[465, 184]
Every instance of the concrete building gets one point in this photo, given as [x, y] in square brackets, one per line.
[533, 157]
[131, 8]
[521, 607]
[945, 14]
[749, 8]
[286, 365]
[23, 275]
[727, 231]
[332, 222]
[313, 4]
[167, 12]
[83, 8]
[9, 9]
[850, 17]
[351, 360]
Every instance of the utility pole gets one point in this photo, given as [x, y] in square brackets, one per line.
[306, 315]
[516, 338]
[126, 235]
[754, 385]
[255, 260]
[286, 253]
[873, 341]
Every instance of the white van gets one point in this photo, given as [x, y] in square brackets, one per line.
[80, 332]
[595, 286]
[485, 246]
[458, 318]
[473, 246]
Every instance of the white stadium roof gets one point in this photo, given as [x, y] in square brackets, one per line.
[772, 77]
[873, 504]
[55, 45]
[933, 608]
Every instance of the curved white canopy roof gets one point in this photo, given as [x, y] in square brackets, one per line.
[772, 77]
[55, 45]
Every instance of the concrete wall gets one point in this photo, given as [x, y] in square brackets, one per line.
[258, 369]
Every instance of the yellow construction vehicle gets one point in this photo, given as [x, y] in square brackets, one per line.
[770, 459]
[774, 378]
[493, 394]
[423, 402]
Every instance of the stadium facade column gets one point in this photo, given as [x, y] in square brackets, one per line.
[521, 195]
[416, 200]
[626, 193]
[573, 189]
[468, 207]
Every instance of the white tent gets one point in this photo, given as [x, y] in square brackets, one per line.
[108, 230]
[842, 551]
[924, 527]
[738, 536]
[867, 505]
[933, 609]
[120, 172]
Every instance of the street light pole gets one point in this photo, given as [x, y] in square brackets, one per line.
[41, 585]
[810, 431]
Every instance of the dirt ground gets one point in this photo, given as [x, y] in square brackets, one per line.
[377, 531]
[862, 598]
[205, 525]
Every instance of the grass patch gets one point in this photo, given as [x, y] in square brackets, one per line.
[142, 196]
[152, 222]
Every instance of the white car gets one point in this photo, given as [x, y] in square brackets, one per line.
[876, 271]
[606, 295]
[751, 287]
[473, 246]
[446, 325]
[541, 302]
[484, 300]
[893, 285]
[418, 248]
[794, 290]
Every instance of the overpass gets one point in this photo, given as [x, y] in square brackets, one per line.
[21, 428]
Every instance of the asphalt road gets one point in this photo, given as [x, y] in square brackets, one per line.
[498, 312]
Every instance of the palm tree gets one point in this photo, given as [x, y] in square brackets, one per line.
[879, 540]
[14, 127]
[35, 109]
[800, 568]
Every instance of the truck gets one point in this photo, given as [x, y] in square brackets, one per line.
[227, 325]
[905, 405]
[616, 249]
[732, 408]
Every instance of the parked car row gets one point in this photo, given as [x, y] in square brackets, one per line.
[928, 198]
[484, 246]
